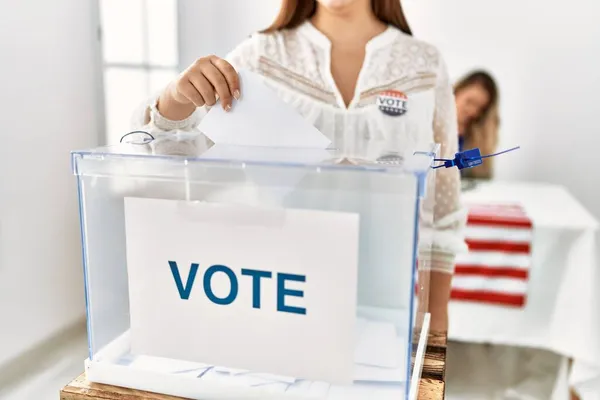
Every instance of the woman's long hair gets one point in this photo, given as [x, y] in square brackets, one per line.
[483, 131]
[294, 12]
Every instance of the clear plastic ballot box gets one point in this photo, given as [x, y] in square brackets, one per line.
[230, 272]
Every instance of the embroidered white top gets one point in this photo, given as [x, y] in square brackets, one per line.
[296, 64]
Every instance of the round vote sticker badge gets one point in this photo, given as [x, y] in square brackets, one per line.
[392, 102]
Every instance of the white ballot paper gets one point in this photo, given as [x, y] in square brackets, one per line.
[260, 118]
[380, 354]
[377, 344]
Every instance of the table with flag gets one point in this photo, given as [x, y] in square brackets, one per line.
[531, 276]
[495, 270]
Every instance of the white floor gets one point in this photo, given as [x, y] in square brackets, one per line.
[495, 372]
[52, 371]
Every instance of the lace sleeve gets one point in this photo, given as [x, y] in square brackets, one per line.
[147, 116]
[449, 213]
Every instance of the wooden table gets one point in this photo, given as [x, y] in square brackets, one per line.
[432, 381]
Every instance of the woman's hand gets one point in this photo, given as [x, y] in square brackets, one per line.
[203, 83]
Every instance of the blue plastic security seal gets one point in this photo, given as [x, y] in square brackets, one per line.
[465, 159]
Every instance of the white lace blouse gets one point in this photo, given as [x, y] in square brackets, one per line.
[296, 64]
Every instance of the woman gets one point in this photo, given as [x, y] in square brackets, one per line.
[334, 60]
[477, 110]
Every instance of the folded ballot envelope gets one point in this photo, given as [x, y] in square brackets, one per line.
[260, 118]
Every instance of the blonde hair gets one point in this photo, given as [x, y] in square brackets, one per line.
[482, 132]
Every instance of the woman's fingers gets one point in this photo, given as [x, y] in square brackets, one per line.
[208, 79]
[188, 90]
[205, 88]
[220, 85]
[230, 74]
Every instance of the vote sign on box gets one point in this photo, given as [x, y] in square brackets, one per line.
[271, 291]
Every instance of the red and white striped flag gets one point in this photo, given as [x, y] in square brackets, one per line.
[496, 268]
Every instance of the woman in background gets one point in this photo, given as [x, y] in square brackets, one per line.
[477, 111]
[337, 62]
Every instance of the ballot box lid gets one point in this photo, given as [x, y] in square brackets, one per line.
[192, 148]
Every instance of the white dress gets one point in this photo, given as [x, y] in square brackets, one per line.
[296, 64]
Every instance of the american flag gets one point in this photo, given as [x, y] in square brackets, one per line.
[496, 268]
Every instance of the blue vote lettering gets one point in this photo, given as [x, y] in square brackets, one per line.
[282, 292]
[233, 292]
[184, 292]
[256, 275]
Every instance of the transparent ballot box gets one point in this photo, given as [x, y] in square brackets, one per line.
[230, 272]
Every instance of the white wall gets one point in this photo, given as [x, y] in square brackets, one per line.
[47, 109]
[546, 56]
[216, 27]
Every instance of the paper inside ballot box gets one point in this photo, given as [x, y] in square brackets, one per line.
[380, 356]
